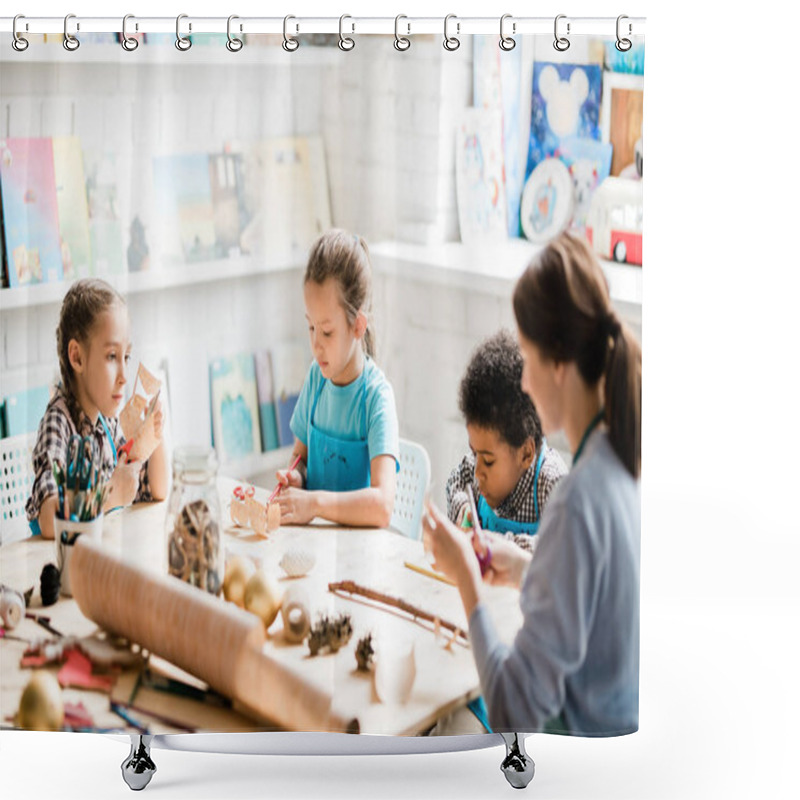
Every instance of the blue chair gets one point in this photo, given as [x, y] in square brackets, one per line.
[412, 483]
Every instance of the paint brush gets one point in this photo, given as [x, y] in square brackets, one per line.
[277, 489]
[486, 558]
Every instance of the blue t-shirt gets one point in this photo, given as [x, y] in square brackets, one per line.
[340, 410]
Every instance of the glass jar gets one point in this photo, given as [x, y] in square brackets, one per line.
[195, 551]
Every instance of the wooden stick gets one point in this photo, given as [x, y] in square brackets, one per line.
[429, 573]
[353, 588]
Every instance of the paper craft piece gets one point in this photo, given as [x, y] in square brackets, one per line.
[395, 670]
[285, 194]
[77, 672]
[73, 212]
[247, 512]
[628, 61]
[589, 164]
[184, 218]
[137, 416]
[77, 716]
[234, 407]
[565, 102]
[104, 171]
[479, 176]
[497, 82]
[266, 401]
[548, 201]
[30, 211]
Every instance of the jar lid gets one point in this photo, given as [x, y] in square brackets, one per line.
[195, 460]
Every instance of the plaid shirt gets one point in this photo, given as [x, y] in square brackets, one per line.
[55, 431]
[519, 506]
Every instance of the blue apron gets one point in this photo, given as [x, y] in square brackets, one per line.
[34, 523]
[491, 522]
[337, 465]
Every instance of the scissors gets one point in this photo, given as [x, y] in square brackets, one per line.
[81, 455]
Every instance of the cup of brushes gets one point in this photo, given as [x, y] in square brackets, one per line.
[79, 512]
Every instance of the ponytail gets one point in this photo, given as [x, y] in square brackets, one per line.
[562, 304]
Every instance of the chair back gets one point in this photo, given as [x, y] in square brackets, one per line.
[16, 479]
[412, 483]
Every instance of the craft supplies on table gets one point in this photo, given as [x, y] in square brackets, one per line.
[226, 649]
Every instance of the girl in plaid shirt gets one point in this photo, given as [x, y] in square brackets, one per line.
[93, 341]
[510, 467]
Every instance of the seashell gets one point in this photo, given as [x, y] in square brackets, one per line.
[297, 562]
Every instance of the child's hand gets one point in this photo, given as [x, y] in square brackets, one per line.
[297, 506]
[287, 478]
[124, 483]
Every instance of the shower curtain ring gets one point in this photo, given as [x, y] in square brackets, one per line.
[128, 43]
[345, 42]
[183, 43]
[234, 43]
[18, 42]
[451, 42]
[401, 43]
[290, 44]
[506, 42]
[623, 45]
[70, 42]
[561, 43]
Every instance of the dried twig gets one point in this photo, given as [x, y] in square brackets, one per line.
[351, 587]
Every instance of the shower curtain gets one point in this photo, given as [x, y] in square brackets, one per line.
[194, 179]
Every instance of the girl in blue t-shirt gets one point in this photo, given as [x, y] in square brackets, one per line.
[345, 422]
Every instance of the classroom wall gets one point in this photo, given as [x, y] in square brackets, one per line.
[387, 122]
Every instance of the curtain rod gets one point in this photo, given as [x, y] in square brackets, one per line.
[298, 25]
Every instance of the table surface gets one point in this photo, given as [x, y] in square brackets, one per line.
[445, 676]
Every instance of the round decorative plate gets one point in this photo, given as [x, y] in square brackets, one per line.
[547, 201]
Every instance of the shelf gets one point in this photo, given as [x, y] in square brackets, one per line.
[155, 280]
[249, 468]
[489, 267]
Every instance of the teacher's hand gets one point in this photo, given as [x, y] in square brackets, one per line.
[451, 547]
[508, 562]
[297, 506]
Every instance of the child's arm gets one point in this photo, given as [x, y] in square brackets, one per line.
[158, 473]
[455, 491]
[370, 508]
[297, 476]
[47, 517]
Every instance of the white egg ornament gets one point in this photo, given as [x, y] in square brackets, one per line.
[297, 562]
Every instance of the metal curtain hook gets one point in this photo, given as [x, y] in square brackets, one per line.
[128, 43]
[234, 43]
[70, 42]
[506, 42]
[183, 43]
[290, 44]
[561, 43]
[345, 42]
[19, 43]
[623, 45]
[401, 43]
[451, 42]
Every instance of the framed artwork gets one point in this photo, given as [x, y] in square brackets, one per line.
[621, 118]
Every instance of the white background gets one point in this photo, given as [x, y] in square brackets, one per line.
[720, 693]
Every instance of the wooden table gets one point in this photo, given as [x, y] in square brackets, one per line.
[445, 676]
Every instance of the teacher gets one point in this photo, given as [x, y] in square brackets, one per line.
[574, 664]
